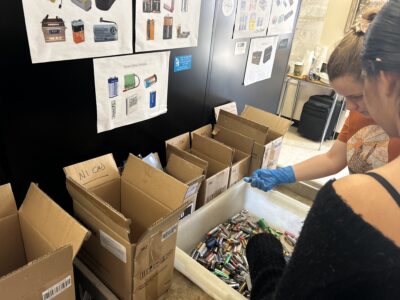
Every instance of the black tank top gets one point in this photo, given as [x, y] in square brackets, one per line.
[390, 189]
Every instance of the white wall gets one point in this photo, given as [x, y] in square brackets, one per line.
[321, 23]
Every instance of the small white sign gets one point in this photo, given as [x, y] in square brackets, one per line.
[191, 190]
[240, 48]
[229, 107]
[227, 7]
[113, 246]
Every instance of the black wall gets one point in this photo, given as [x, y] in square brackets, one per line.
[48, 111]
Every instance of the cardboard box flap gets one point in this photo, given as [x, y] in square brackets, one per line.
[243, 126]
[12, 254]
[182, 169]
[233, 139]
[203, 131]
[154, 182]
[154, 228]
[201, 163]
[80, 194]
[34, 278]
[7, 201]
[213, 149]
[275, 123]
[94, 172]
[181, 141]
[56, 226]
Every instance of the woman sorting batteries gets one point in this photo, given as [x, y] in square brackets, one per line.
[362, 145]
[349, 247]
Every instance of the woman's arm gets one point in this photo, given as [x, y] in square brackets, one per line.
[323, 165]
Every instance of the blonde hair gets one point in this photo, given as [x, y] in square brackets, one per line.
[346, 57]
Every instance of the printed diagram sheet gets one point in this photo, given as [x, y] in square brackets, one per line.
[252, 18]
[261, 59]
[166, 24]
[282, 17]
[130, 89]
[73, 29]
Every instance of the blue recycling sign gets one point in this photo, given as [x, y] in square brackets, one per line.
[182, 63]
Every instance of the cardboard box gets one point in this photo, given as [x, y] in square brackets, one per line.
[241, 145]
[133, 218]
[188, 173]
[277, 128]
[278, 210]
[265, 128]
[39, 243]
[219, 158]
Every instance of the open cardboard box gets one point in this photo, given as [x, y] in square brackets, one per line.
[279, 211]
[265, 128]
[218, 156]
[133, 218]
[39, 242]
[188, 173]
[242, 146]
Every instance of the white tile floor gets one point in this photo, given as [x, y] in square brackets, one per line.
[297, 148]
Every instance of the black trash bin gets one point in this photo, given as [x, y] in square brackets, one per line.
[314, 115]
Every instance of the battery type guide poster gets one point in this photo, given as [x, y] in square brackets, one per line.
[73, 29]
[282, 17]
[252, 18]
[130, 89]
[261, 59]
[166, 24]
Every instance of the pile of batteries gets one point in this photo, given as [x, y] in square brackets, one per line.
[223, 249]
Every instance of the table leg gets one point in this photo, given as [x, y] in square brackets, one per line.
[328, 120]
[282, 102]
[295, 98]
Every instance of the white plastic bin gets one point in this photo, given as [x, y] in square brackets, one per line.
[279, 211]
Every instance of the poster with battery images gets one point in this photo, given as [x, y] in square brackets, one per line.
[283, 15]
[260, 60]
[72, 29]
[130, 89]
[166, 24]
[252, 18]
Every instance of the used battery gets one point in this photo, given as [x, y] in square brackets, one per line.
[223, 249]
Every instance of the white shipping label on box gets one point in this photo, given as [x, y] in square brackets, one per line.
[57, 289]
[113, 246]
[170, 231]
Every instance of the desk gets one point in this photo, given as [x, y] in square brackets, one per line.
[303, 80]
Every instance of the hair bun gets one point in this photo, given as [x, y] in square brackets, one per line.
[365, 20]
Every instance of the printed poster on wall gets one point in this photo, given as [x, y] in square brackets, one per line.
[252, 18]
[130, 89]
[166, 24]
[73, 29]
[260, 60]
[282, 17]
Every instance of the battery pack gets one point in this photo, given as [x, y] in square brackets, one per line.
[84, 4]
[106, 32]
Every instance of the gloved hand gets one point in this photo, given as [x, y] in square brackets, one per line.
[266, 179]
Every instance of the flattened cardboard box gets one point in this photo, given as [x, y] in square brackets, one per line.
[188, 173]
[219, 158]
[39, 243]
[133, 219]
[265, 128]
[241, 145]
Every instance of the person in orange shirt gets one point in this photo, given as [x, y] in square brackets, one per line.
[362, 145]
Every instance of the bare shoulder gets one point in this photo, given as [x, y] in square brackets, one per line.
[353, 188]
[369, 199]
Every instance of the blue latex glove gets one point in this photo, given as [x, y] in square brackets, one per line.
[266, 179]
